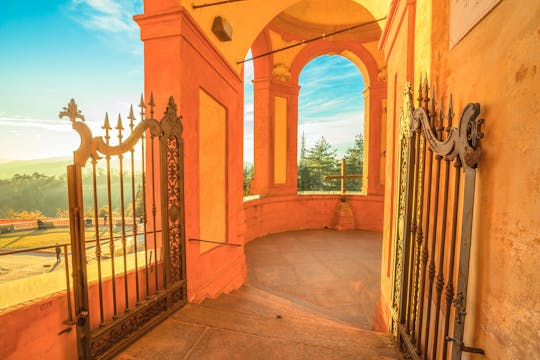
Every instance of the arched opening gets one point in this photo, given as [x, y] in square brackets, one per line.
[248, 125]
[308, 92]
[330, 124]
[277, 207]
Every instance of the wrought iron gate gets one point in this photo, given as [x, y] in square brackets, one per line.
[128, 262]
[434, 223]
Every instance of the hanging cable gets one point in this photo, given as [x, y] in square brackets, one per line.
[195, 7]
[323, 36]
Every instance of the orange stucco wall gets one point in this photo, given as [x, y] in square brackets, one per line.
[30, 331]
[496, 64]
[180, 61]
[297, 212]
[212, 171]
[397, 41]
[33, 330]
[501, 72]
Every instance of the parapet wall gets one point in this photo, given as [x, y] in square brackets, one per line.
[299, 212]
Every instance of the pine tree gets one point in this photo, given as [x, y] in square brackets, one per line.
[248, 176]
[304, 176]
[355, 163]
[321, 160]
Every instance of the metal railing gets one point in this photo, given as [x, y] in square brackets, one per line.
[214, 242]
[14, 226]
[64, 248]
[90, 243]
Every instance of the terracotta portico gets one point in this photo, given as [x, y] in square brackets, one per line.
[483, 52]
[183, 59]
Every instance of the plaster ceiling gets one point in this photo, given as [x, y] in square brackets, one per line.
[312, 18]
[328, 12]
[248, 18]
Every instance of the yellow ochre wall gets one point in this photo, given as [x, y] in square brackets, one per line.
[497, 65]
[212, 170]
[280, 140]
[396, 50]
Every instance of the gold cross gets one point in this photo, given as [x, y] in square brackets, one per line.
[343, 177]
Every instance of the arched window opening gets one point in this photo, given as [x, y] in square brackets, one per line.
[330, 124]
[248, 124]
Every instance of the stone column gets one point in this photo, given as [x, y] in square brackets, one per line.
[275, 128]
[373, 110]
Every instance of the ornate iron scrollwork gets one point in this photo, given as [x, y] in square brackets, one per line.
[462, 141]
[397, 256]
[459, 304]
[120, 320]
[424, 263]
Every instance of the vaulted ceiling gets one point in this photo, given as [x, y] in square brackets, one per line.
[301, 19]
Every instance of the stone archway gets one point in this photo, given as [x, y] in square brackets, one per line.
[184, 59]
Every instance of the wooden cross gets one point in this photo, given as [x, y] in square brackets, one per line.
[343, 177]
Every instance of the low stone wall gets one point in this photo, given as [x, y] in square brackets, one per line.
[12, 225]
[36, 329]
[299, 212]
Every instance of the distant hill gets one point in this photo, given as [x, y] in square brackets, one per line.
[50, 167]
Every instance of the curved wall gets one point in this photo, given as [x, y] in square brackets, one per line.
[299, 212]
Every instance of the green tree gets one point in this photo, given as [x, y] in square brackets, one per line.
[62, 213]
[304, 175]
[139, 204]
[30, 215]
[355, 163]
[321, 160]
[33, 192]
[47, 194]
[103, 211]
[248, 176]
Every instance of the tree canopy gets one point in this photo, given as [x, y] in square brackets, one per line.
[39, 195]
[321, 160]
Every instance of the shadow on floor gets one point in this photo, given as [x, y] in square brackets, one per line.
[310, 295]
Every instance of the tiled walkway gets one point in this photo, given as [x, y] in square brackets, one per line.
[310, 295]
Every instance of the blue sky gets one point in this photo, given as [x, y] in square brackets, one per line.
[330, 103]
[53, 50]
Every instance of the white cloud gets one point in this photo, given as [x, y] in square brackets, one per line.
[248, 109]
[30, 138]
[18, 124]
[249, 71]
[112, 18]
[106, 15]
[104, 6]
[340, 130]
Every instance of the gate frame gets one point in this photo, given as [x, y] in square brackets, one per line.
[462, 146]
[106, 341]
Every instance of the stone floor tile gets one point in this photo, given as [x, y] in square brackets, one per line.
[169, 340]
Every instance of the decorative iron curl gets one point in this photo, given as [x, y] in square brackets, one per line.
[171, 122]
[463, 141]
[92, 147]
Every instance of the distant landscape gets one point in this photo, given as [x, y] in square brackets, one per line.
[38, 188]
[51, 167]
[31, 189]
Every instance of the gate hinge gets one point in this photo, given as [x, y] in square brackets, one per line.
[467, 349]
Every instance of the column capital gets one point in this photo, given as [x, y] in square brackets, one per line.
[275, 85]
